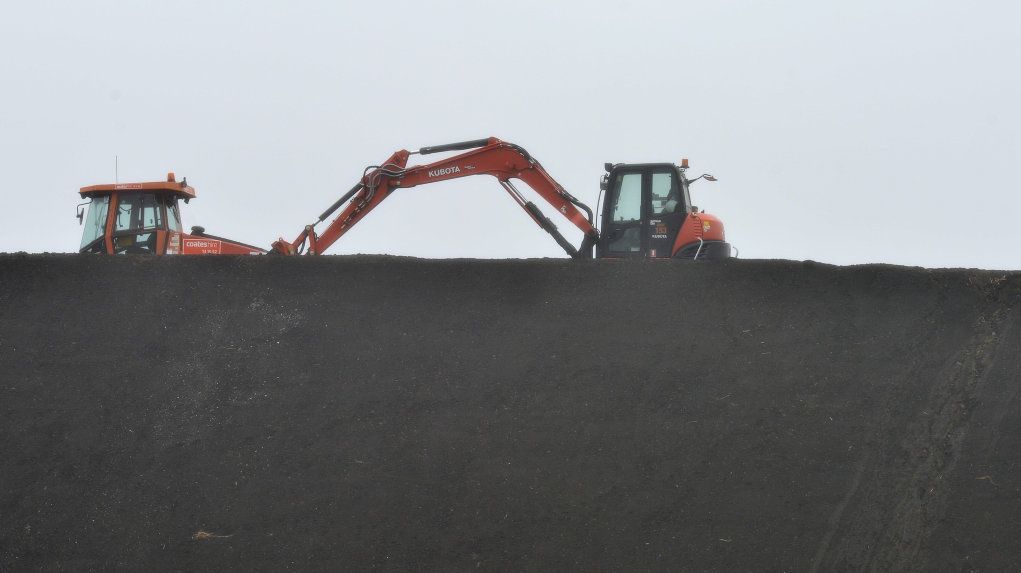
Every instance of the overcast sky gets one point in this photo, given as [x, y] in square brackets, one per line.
[844, 132]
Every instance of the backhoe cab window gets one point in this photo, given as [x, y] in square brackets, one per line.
[95, 223]
[138, 211]
[138, 217]
[173, 219]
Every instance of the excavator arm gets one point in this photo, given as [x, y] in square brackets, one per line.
[504, 161]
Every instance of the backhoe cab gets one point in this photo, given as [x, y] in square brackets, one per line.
[144, 218]
[648, 214]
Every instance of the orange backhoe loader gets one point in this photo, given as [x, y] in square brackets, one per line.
[647, 212]
[144, 218]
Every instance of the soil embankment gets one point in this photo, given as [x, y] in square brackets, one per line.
[343, 413]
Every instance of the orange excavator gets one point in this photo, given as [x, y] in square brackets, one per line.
[647, 212]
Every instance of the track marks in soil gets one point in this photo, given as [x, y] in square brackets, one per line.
[834, 520]
[892, 538]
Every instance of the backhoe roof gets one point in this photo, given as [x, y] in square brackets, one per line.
[178, 187]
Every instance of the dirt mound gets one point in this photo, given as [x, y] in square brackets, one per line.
[342, 413]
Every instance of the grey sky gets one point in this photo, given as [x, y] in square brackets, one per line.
[840, 132]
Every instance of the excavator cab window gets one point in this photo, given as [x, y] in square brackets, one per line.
[665, 194]
[626, 215]
[667, 211]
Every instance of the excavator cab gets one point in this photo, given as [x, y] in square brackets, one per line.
[648, 214]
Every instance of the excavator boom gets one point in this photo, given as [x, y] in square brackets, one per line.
[502, 160]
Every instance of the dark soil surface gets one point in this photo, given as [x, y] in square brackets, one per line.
[348, 413]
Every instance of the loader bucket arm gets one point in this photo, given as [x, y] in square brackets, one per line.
[504, 161]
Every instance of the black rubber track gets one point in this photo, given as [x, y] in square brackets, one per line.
[348, 413]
